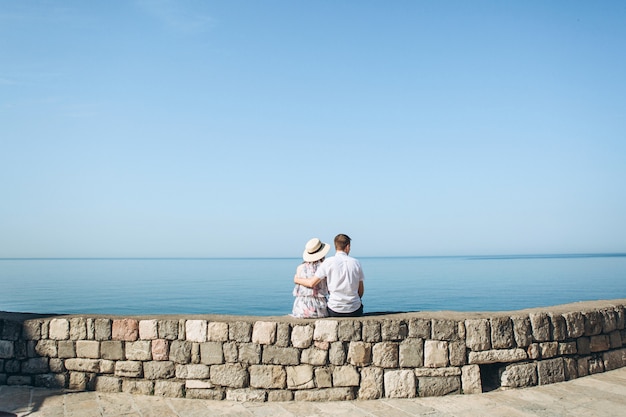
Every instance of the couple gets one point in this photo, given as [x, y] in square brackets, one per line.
[340, 278]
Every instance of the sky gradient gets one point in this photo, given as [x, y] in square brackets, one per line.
[244, 128]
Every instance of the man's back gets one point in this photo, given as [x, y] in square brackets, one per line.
[343, 276]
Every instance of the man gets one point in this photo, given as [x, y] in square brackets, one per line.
[344, 277]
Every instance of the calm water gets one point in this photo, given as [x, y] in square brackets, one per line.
[263, 286]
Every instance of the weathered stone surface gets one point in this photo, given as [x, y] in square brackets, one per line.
[198, 384]
[7, 349]
[125, 329]
[323, 378]
[302, 336]
[470, 379]
[411, 353]
[51, 380]
[314, 356]
[558, 327]
[31, 330]
[205, 394]
[112, 350]
[217, 332]
[337, 353]
[193, 371]
[327, 394]
[300, 377]
[385, 354]
[273, 355]
[240, 331]
[159, 370]
[519, 375]
[477, 334]
[583, 345]
[211, 353]
[615, 339]
[596, 366]
[349, 331]
[394, 330]
[35, 366]
[245, 395]
[444, 329]
[346, 376]
[107, 366]
[138, 387]
[88, 349]
[575, 324]
[230, 352]
[571, 368]
[131, 369]
[438, 386]
[66, 349]
[540, 323]
[609, 320]
[502, 333]
[496, 356]
[614, 359]
[249, 353]
[371, 331]
[231, 375]
[550, 371]
[283, 334]
[78, 328]
[548, 349]
[268, 376]
[593, 323]
[264, 333]
[567, 348]
[43, 348]
[148, 330]
[371, 387]
[160, 350]
[438, 372]
[522, 330]
[196, 330]
[139, 351]
[359, 353]
[102, 329]
[180, 351]
[400, 384]
[435, 354]
[420, 328]
[82, 365]
[108, 384]
[457, 353]
[168, 329]
[59, 329]
[599, 343]
[326, 330]
[169, 389]
[279, 395]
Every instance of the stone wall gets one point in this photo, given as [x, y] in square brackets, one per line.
[282, 358]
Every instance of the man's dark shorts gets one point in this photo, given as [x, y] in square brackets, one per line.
[357, 313]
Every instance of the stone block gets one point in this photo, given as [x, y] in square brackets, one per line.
[125, 329]
[217, 332]
[246, 395]
[7, 349]
[359, 353]
[35, 366]
[198, 384]
[91, 328]
[519, 375]
[558, 327]
[337, 353]
[78, 328]
[394, 330]
[615, 339]
[180, 351]
[326, 330]
[268, 376]
[345, 376]
[371, 332]
[571, 368]
[66, 349]
[273, 355]
[160, 349]
[80, 381]
[283, 334]
[470, 380]
[593, 323]
[583, 345]
[400, 384]
[371, 387]
[302, 336]
[279, 395]
[457, 353]
[620, 317]
[323, 378]
[138, 387]
[51, 380]
[59, 329]
[549, 349]
[349, 331]
[108, 384]
[102, 329]
[439, 386]
[522, 331]
[444, 329]
[42, 348]
[614, 359]
[148, 330]
[599, 343]
[168, 329]
[314, 356]
[609, 320]
[112, 350]
[575, 324]
[477, 334]
[230, 352]
[300, 377]
[435, 354]
[326, 394]
[438, 372]
[550, 371]
[88, 349]
[83, 365]
[533, 351]
[193, 371]
[31, 330]
[169, 389]
[596, 366]
[411, 353]
[567, 348]
[540, 323]
[140, 350]
[130, 369]
[230, 375]
[212, 353]
[107, 366]
[385, 354]
[196, 330]
[240, 331]
[498, 356]
[264, 332]
[249, 353]
[56, 365]
[205, 394]
[155, 370]
[502, 333]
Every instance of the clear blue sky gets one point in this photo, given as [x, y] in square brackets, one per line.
[243, 128]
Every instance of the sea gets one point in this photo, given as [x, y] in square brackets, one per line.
[263, 286]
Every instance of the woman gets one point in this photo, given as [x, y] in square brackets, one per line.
[311, 302]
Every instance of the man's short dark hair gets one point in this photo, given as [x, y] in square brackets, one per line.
[341, 241]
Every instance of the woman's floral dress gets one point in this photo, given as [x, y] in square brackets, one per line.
[309, 302]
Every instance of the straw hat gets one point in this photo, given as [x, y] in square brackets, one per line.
[314, 250]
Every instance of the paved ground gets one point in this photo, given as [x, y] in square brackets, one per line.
[598, 395]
